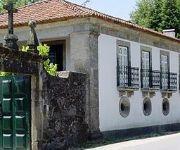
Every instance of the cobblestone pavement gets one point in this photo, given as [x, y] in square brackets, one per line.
[166, 142]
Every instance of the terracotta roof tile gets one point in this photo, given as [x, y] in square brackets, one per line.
[47, 11]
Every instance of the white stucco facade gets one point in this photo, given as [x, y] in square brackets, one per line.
[103, 96]
[109, 96]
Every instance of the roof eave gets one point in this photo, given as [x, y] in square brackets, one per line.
[125, 24]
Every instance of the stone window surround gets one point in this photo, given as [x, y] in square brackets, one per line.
[125, 44]
[146, 49]
[147, 111]
[166, 106]
[162, 52]
[125, 103]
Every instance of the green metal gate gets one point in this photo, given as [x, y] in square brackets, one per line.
[15, 113]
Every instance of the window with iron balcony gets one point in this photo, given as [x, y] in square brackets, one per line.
[127, 76]
[168, 79]
[150, 79]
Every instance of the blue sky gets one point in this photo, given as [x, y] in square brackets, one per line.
[117, 8]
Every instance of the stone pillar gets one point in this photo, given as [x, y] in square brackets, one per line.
[37, 104]
[84, 58]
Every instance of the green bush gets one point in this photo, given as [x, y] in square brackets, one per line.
[48, 66]
[43, 50]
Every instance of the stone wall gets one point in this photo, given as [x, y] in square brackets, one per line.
[19, 62]
[64, 110]
[84, 58]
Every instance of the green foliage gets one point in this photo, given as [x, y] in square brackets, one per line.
[25, 48]
[144, 8]
[158, 14]
[170, 15]
[18, 3]
[5, 73]
[43, 50]
[50, 67]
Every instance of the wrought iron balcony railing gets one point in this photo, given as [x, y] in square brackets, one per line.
[150, 79]
[128, 77]
[169, 81]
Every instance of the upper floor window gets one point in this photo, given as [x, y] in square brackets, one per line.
[146, 60]
[122, 61]
[150, 79]
[168, 79]
[164, 63]
[145, 69]
[127, 76]
[164, 66]
[123, 55]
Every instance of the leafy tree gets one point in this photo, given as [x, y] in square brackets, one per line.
[18, 3]
[156, 19]
[178, 4]
[170, 16]
[144, 8]
[158, 14]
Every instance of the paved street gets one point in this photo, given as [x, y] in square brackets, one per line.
[167, 142]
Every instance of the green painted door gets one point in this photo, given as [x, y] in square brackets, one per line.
[15, 113]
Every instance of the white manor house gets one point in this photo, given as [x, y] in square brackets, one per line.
[133, 72]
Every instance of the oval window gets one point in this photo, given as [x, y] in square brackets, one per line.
[165, 106]
[147, 108]
[124, 107]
